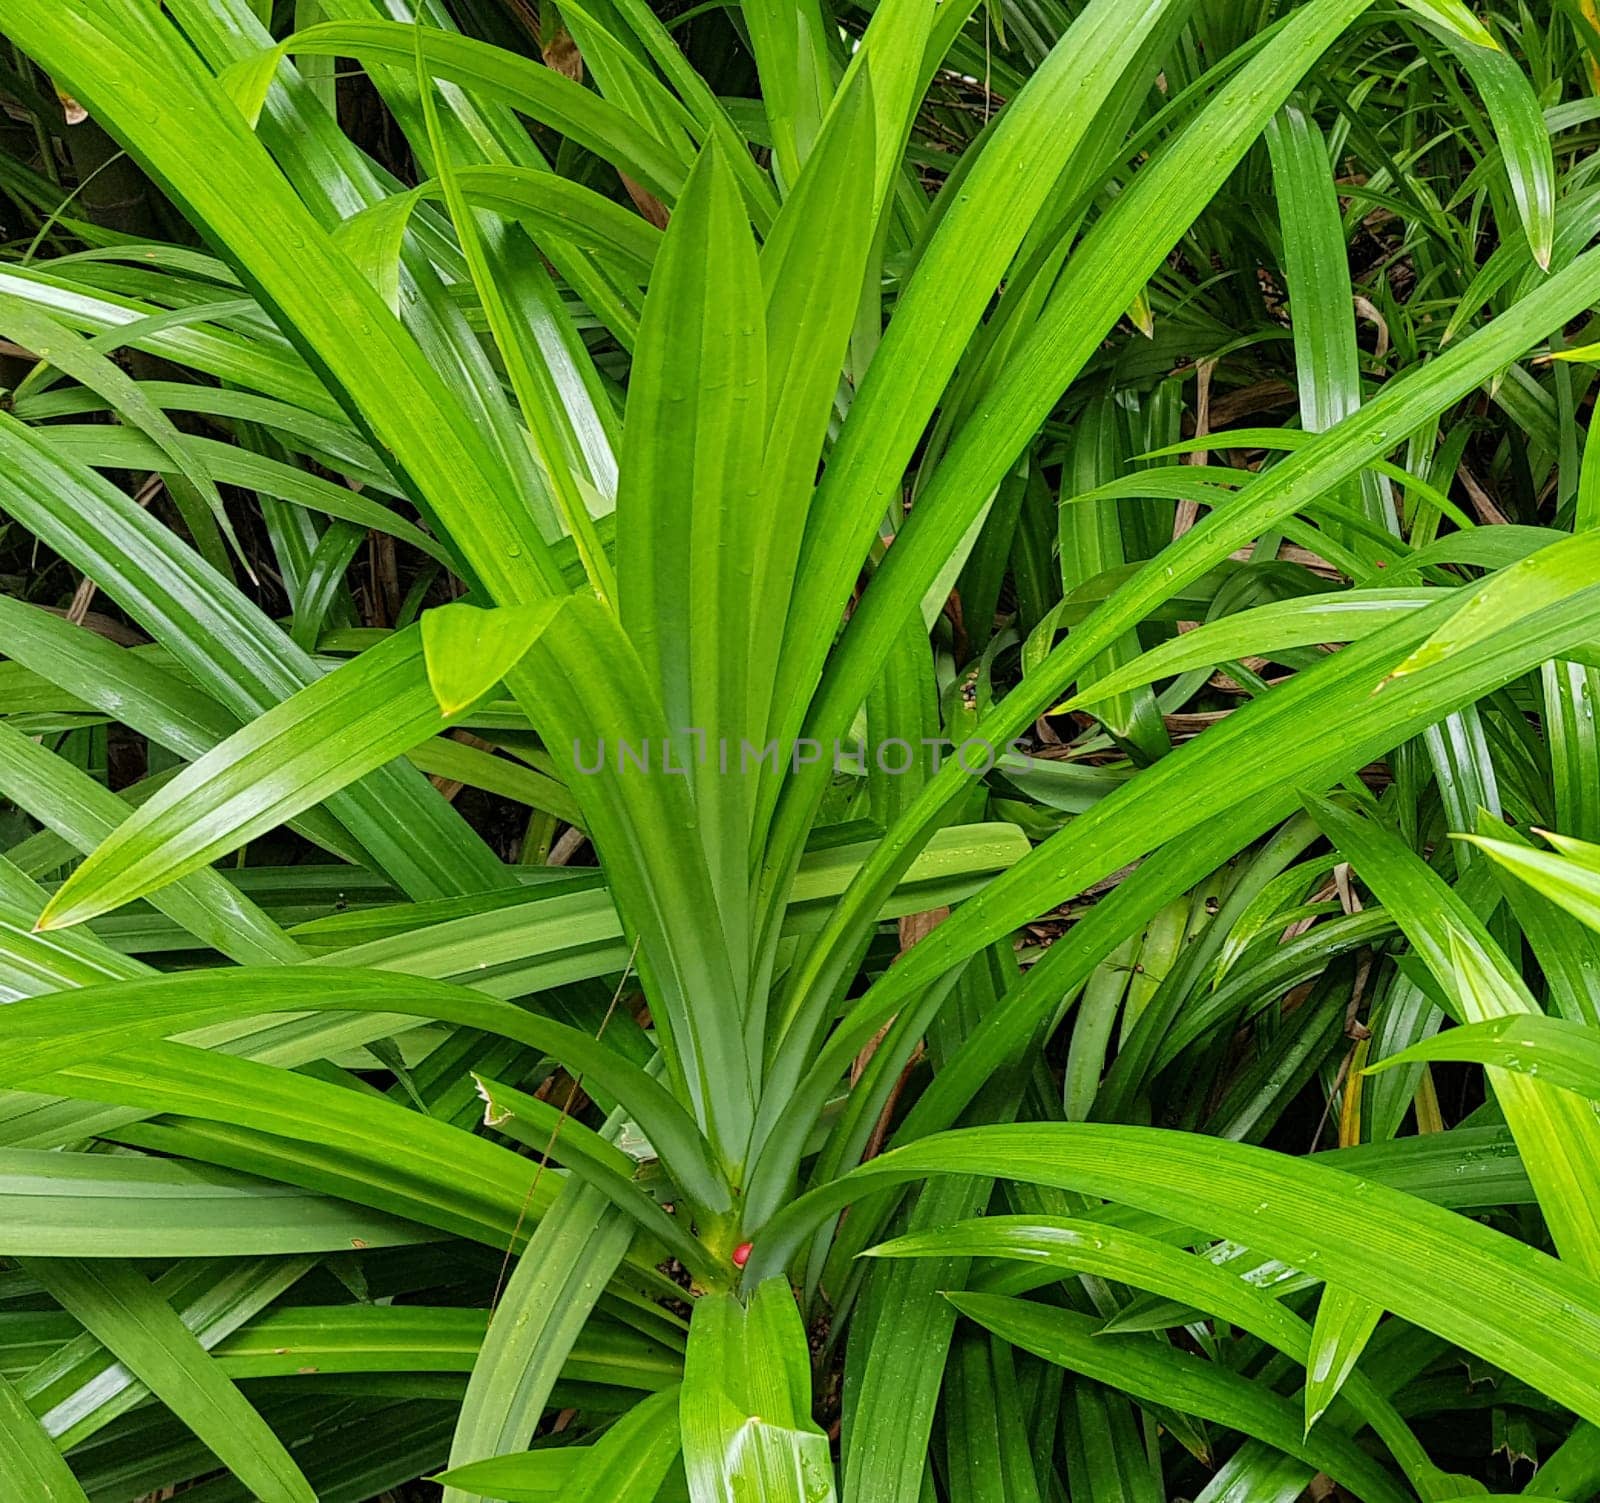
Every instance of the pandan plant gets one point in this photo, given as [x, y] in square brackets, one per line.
[804, 464]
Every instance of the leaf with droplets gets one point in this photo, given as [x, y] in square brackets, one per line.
[1345, 1323]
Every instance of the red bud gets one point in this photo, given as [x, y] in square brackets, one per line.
[741, 1255]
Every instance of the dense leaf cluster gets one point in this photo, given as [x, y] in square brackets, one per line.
[796, 752]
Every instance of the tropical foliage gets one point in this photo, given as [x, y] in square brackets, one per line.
[795, 752]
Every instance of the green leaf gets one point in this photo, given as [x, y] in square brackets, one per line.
[524, 362]
[1039, 1244]
[1569, 876]
[1560, 1053]
[468, 651]
[812, 263]
[1091, 543]
[746, 1403]
[1345, 1323]
[1455, 15]
[33, 1467]
[1316, 269]
[1006, 188]
[626, 1465]
[987, 446]
[1138, 817]
[547, 205]
[1307, 621]
[520, 1477]
[688, 512]
[144, 695]
[1524, 139]
[97, 1205]
[115, 1301]
[1549, 578]
[106, 447]
[900, 1336]
[547, 1301]
[82, 1388]
[68, 352]
[1511, 1304]
[893, 50]
[288, 760]
[142, 80]
[248, 82]
[476, 768]
[1471, 968]
[81, 811]
[525, 85]
[248, 663]
[553, 1133]
[986, 1443]
[1159, 1374]
[106, 1019]
[373, 239]
[403, 1163]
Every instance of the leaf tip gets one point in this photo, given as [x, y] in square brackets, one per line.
[51, 918]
